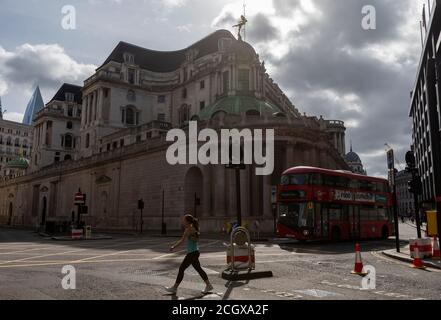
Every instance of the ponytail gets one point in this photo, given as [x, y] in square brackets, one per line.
[194, 222]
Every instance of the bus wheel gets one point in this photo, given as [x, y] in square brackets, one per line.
[385, 233]
[336, 234]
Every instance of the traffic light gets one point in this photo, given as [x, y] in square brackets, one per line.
[141, 204]
[414, 186]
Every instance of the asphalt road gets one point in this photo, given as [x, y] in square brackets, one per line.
[129, 267]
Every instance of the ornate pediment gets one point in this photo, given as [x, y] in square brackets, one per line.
[44, 189]
[103, 179]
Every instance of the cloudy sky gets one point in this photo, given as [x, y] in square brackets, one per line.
[315, 49]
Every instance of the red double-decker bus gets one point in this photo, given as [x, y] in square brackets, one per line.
[320, 204]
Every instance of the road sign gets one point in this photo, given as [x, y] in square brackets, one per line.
[390, 159]
[80, 198]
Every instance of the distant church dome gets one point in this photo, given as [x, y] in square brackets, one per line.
[354, 162]
[352, 157]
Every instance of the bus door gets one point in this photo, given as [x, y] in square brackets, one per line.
[354, 221]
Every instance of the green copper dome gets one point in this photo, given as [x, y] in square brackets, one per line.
[239, 105]
[19, 163]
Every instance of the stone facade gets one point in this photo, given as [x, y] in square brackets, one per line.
[128, 106]
[15, 141]
[57, 128]
[405, 201]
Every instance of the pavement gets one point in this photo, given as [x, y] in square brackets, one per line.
[138, 267]
[408, 230]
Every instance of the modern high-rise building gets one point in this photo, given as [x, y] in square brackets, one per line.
[35, 104]
[425, 110]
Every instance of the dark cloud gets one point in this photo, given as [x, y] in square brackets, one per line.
[336, 69]
[261, 29]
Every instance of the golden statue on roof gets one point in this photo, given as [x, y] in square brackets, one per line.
[242, 22]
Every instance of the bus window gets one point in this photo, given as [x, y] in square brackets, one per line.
[316, 179]
[382, 214]
[364, 213]
[334, 213]
[382, 187]
[342, 182]
[367, 185]
[295, 180]
[345, 213]
[295, 215]
[373, 214]
[354, 184]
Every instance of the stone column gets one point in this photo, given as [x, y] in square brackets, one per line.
[219, 191]
[83, 115]
[206, 202]
[267, 208]
[290, 155]
[43, 133]
[98, 110]
[244, 190]
[343, 140]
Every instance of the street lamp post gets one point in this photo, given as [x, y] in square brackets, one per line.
[392, 176]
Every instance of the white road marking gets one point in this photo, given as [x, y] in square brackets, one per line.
[182, 251]
[72, 251]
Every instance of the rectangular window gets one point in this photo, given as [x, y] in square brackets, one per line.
[121, 142]
[202, 84]
[244, 80]
[131, 76]
[161, 99]
[226, 82]
[184, 93]
[161, 117]
[202, 105]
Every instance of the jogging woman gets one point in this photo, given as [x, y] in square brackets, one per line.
[191, 235]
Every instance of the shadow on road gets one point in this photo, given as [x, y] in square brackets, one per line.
[322, 247]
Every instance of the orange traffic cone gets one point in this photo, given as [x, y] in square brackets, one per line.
[417, 262]
[436, 253]
[358, 268]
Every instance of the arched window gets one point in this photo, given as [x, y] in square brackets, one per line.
[68, 141]
[17, 142]
[130, 116]
[25, 144]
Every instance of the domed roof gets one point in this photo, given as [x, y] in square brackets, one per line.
[19, 163]
[239, 105]
[352, 157]
[243, 50]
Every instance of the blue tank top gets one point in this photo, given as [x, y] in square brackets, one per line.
[192, 246]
